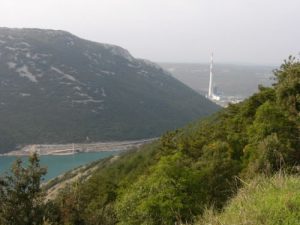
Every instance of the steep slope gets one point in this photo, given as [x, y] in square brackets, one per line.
[175, 179]
[58, 88]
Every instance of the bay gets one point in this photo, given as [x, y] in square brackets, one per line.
[57, 164]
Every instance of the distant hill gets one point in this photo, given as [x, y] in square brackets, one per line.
[230, 79]
[58, 88]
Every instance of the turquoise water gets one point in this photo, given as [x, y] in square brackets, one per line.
[57, 164]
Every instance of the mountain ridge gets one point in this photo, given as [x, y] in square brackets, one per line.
[57, 88]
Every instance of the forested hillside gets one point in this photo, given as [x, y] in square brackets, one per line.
[176, 179]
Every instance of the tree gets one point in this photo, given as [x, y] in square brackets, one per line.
[21, 196]
[288, 86]
[272, 140]
[167, 195]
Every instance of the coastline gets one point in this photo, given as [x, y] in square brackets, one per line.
[74, 148]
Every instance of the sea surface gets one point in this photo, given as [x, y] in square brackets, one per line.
[57, 164]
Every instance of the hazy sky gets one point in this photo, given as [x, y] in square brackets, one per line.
[247, 31]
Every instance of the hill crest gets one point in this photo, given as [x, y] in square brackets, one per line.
[58, 88]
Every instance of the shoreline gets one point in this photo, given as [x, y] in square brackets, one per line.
[74, 148]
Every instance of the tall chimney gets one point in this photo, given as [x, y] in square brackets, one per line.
[210, 87]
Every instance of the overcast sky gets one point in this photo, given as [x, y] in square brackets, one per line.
[245, 31]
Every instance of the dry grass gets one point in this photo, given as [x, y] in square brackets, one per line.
[264, 201]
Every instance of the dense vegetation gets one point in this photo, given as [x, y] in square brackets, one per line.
[175, 180]
[21, 197]
[188, 170]
[58, 88]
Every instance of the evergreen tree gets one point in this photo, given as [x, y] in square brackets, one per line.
[21, 196]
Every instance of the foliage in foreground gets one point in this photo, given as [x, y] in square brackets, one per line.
[264, 201]
[177, 178]
[21, 197]
[174, 180]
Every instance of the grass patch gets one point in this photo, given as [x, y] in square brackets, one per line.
[264, 201]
